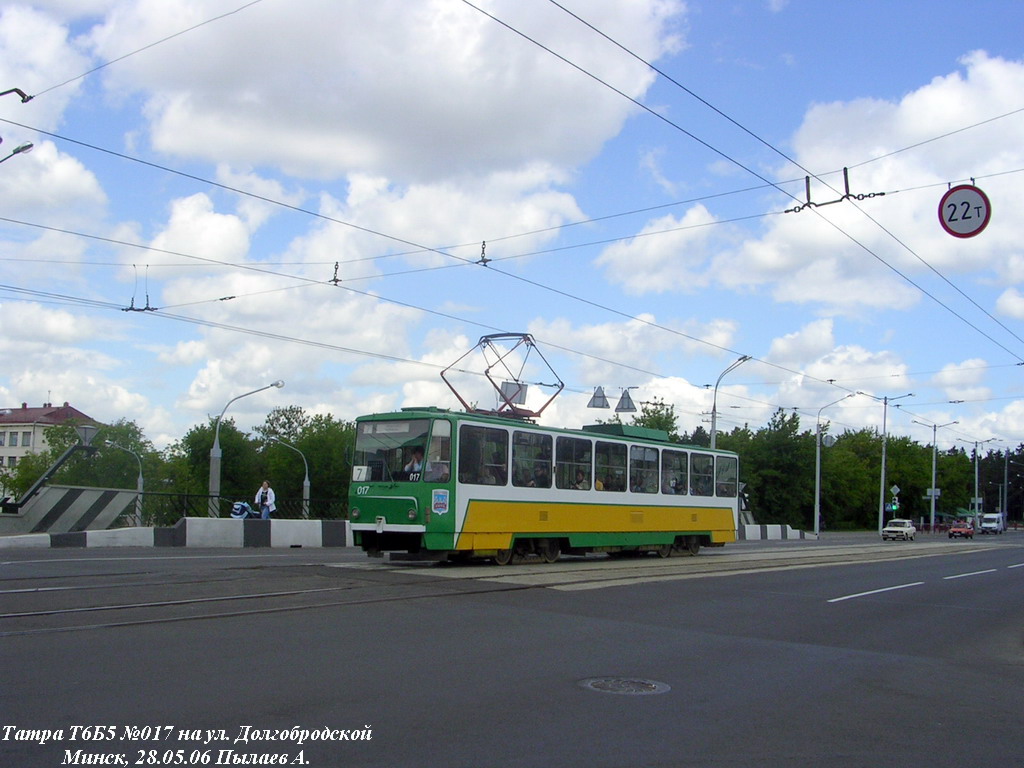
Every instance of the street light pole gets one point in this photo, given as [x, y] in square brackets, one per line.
[1006, 486]
[935, 449]
[975, 500]
[213, 509]
[817, 465]
[714, 399]
[305, 481]
[885, 439]
[139, 484]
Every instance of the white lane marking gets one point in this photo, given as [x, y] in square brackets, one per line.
[874, 592]
[1018, 565]
[972, 573]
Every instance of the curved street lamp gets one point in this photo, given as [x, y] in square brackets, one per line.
[714, 399]
[139, 484]
[976, 501]
[24, 96]
[213, 510]
[21, 149]
[305, 481]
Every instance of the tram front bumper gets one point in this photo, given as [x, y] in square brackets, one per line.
[382, 526]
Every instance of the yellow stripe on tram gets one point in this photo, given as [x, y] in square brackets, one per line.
[491, 524]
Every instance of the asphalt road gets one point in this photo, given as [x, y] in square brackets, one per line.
[843, 652]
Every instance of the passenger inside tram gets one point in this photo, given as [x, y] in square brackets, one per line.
[541, 478]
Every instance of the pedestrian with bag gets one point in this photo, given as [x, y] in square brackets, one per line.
[265, 500]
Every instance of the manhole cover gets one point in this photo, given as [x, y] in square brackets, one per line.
[628, 685]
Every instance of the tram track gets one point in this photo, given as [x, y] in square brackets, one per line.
[264, 610]
[597, 573]
[61, 608]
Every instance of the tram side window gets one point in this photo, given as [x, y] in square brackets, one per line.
[439, 453]
[572, 463]
[610, 467]
[673, 472]
[643, 469]
[702, 474]
[727, 476]
[531, 460]
[483, 455]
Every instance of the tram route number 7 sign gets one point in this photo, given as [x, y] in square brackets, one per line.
[964, 211]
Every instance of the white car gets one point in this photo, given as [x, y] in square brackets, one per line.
[899, 529]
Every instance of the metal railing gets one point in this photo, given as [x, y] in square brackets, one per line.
[166, 509]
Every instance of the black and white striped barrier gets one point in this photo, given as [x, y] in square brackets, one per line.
[66, 509]
[227, 532]
[770, 532]
[200, 532]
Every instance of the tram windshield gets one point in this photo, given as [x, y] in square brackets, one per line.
[402, 451]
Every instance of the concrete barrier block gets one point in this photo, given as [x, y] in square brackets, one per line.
[213, 532]
[68, 539]
[256, 533]
[121, 537]
[296, 533]
[336, 533]
[170, 537]
[35, 540]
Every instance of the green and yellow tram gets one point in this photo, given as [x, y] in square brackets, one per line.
[440, 484]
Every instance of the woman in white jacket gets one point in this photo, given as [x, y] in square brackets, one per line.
[265, 500]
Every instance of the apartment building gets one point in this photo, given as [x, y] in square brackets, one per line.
[22, 430]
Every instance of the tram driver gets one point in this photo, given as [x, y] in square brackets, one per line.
[416, 462]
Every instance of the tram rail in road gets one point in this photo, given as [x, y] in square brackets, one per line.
[599, 572]
[55, 591]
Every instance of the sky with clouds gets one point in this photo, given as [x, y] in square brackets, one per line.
[346, 195]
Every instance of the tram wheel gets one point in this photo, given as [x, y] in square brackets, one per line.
[549, 550]
[503, 556]
[692, 545]
[665, 550]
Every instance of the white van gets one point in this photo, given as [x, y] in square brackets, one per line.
[992, 522]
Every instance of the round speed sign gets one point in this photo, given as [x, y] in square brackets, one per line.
[964, 211]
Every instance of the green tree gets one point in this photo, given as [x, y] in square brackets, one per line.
[285, 423]
[109, 463]
[849, 479]
[700, 436]
[32, 466]
[738, 441]
[956, 480]
[909, 467]
[241, 467]
[18, 479]
[330, 443]
[182, 485]
[658, 415]
[780, 487]
[326, 444]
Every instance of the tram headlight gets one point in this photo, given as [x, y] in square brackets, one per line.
[354, 514]
[412, 514]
